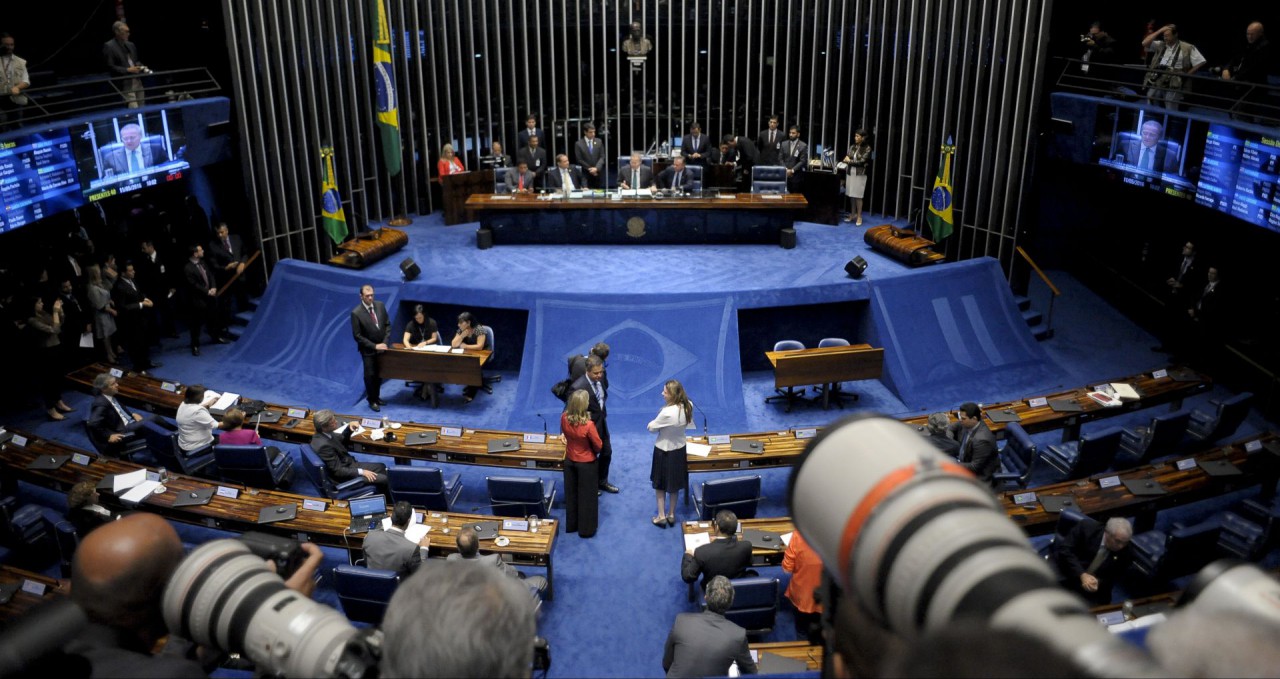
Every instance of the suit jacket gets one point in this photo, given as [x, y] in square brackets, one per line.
[1164, 161]
[748, 155]
[794, 155]
[587, 159]
[118, 54]
[979, 454]
[554, 181]
[392, 551]
[595, 409]
[1208, 304]
[688, 148]
[197, 290]
[705, 644]
[156, 277]
[103, 422]
[219, 256]
[714, 157]
[128, 299]
[769, 152]
[668, 176]
[490, 560]
[522, 139]
[513, 179]
[116, 160]
[722, 556]
[535, 158]
[1073, 552]
[646, 177]
[332, 451]
[366, 334]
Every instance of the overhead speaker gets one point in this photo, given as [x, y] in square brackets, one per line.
[484, 238]
[855, 267]
[409, 268]
[788, 239]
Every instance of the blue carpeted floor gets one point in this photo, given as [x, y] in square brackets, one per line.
[618, 593]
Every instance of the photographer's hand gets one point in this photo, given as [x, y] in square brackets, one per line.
[303, 581]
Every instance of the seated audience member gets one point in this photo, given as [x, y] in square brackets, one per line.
[331, 447]
[677, 177]
[977, 451]
[389, 549]
[195, 424]
[565, 177]
[469, 552]
[1091, 557]
[705, 644]
[451, 620]
[111, 425]
[421, 331]
[805, 567]
[937, 430]
[83, 510]
[636, 175]
[497, 158]
[234, 433]
[726, 555]
[474, 336]
[519, 179]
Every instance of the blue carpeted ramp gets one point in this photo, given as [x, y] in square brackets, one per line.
[953, 334]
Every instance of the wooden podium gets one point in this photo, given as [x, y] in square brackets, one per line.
[458, 187]
[369, 247]
[902, 244]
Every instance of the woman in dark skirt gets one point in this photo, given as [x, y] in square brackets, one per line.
[670, 470]
[581, 474]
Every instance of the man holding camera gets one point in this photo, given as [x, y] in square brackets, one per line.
[1099, 48]
[1171, 61]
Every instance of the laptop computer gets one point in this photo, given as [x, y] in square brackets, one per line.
[485, 530]
[1004, 415]
[194, 497]
[268, 417]
[746, 446]
[421, 438]
[507, 445]
[760, 539]
[5, 436]
[1144, 487]
[772, 663]
[1065, 405]
[1184, 375]
[276, 513]
[1219, 468]
[48, 462]
[1054, 504]
[367, 512]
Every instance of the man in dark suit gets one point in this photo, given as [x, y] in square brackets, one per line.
[769, 141]
[122, 59]
[370, 326]
[597, 388]
[977, 451]
[723, 154]
[535, 157]
[1091, 557]
[1146, 151]
[677, 176]
[726, 555]
[636, 175]
[111, 426]
[390, 550]
[227, 258]
[520, 179]
[202, 299]
[155, 276]
[134, 153]
[565, 177]
[530, 130]
[705, 644]
[331, 447]
[578, 364]
[589, 152]
[1184, 285]
[694, 146]
[133, 307]
[469, 552]
[793, 153]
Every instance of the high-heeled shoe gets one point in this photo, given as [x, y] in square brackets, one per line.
[671, 519]
[859, 222]
[63, 407]
[659, 522]
[55, 415]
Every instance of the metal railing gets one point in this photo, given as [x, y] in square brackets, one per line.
[1053, 289]
[69, 99]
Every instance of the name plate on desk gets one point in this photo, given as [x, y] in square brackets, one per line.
[19, 440]
[297, 412]
[806, 433]
[226, 492]
[116, 373]
[370, 423]
[535, 438]
[717, 439]
[319, 506]
[1109, 482]
[1160, 374]
[451, 431]
[169, 387]
[1024, 498]
[1038, 402]
[81, 459]
[33, 588]
[515, 524]
[1253, 446]
[1188, 463]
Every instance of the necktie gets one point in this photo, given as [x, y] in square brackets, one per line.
[137, 154]
[129, 157]
[203, 276]
[599, 394]
[676, 184]
[964, 447]
[695, 143]
[1145, 161]
[373, 316]
[124, 414]
[1098, 560]
[565, 181]
[635, 179]
[226, 242]
[590, 147]
[521, 185]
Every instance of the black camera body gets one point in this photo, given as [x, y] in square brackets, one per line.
[286, 554]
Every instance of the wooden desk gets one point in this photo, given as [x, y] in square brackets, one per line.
[458, 187]
[24, 601]
[471, 448]
[826, 365]
[328, 528]
[759, 557]
[462, 368]
[796, 650]
[736, 218]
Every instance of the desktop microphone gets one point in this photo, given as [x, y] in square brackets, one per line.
[544, 424]
[704, 416]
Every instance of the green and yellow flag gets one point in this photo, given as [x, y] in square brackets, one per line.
[941, 222]
[335, 221]
[384, 77]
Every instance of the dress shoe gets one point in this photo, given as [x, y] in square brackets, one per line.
[195, 351]
[62, 407]
[55, 415]
[608, 487]
[373, 405]
[222, 340]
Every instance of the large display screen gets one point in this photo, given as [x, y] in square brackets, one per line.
[129, 152]
[1240, 175]
[1153, 150]
[37, 178]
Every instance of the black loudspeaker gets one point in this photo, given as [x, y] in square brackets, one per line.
[409, 268]
[788, 239]
[855, 267]
[484, 238]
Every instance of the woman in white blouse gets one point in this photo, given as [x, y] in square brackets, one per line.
[195, 423]
[670, 470]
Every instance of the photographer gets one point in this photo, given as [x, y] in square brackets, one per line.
[1099, 48]
[1171, 60]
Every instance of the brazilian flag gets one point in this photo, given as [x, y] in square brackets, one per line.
[335, 221]
[384, 78]
[941, 222]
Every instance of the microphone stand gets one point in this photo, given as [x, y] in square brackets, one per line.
[544, 426]
[704, 417]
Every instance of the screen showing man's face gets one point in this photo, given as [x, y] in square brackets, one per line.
[131, 137]
[1150, 135]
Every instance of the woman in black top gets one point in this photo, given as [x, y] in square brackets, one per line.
[858, 160]
[470, 335]
[421, 331]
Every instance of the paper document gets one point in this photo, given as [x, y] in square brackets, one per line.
[786, 538]
[696, 540]
[697, 449]
[86, 340]
[140, 491]
[436, 348]
[121, 482]
[415, 531]
[1126, 392]
[224, 403]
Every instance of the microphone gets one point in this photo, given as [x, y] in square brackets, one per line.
[544, 424]
[704, 416]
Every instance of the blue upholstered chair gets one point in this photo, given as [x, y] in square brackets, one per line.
[1160, 556]
[65, 535]
[1091, 454]
[364, 592]
[791, 395]
[741, 494]
[520, 495]
[768, 179]
[500, 180]
[695, 172]
[314, 467]
[253, 465]
[134, 444]
[163, 444]
[425, 487]
[489, 343]
[1162, 436]
[1017, 458]
[1228, 414]
[755, 604]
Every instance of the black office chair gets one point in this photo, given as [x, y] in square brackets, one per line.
[1017, 458]
[791, 395]
[1227, 416]
[489, 380]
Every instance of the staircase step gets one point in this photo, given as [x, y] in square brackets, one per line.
[242, 318]
[1024, 302]
[1041, 331]
[1032, 316]
[234, 331]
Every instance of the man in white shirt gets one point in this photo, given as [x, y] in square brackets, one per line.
[1171, 60]
[13, 80]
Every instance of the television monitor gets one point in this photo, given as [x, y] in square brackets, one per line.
[37, 177]
[1150, 149]
[1240, 175]
[128, 152]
